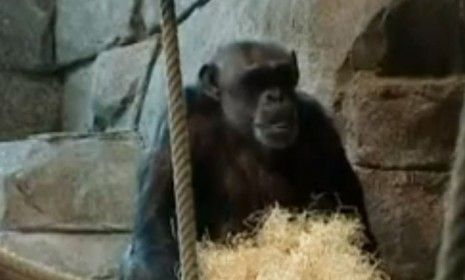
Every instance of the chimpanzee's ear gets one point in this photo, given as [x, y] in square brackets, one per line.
[208, 80]
[295, 68]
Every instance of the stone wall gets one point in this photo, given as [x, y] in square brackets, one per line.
[96, 66]
[30, 93]
[400, 136]
[399, 95]
[66, 200]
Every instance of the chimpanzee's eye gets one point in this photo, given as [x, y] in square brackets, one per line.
[256, 79]
[254, 83]
[284, 76]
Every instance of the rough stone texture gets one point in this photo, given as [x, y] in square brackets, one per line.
[118, 83]
[109, 91]
[154, 110]
[26, 34]
[401, 123]
[406, 214]
[28, 105]
[14, 154]
[298, 24]
[77, 111]
[66, 182]
[93, 256]
[85, 27]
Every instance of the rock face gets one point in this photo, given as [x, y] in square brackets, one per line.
[28, 105]
[118, 84]
[77, 105]
[111, 89]
[401, 123]
[86, 27]
[154, 110]
[69, 183]
[90, 256]
[405, 212]
[26, 44]
[66, 200]
[401, 134]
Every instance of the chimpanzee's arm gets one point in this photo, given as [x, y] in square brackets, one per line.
[153, 254]
[340, 175]
[351, 193]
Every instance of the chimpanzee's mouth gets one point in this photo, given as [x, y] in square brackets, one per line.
[280, 127]
[277, 135]
[277, 127]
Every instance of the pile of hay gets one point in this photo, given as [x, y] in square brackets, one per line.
[291, 247]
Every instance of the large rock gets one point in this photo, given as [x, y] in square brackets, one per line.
[26, 33]
[91, 256]
[86, 27]
[13, 155]
[77, 110]
[154, 111]
[405, 213]
[69, 183]
[118, 84]
[401, 123]
[28, 105]
[108, 94]
[297, 24]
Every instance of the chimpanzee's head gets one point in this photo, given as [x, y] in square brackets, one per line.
[254, 84]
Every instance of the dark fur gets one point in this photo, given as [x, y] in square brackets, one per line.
[234, 176]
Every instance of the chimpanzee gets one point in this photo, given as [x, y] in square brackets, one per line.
[255, 142]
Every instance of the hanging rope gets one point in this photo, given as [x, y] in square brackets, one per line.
[180, 153]
[451, 258]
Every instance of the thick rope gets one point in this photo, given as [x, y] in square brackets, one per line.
[13, 267]
[180, 153]
[451, 258]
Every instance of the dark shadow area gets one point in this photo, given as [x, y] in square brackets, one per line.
[411, 38]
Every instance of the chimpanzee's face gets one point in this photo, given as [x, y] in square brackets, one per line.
[258, 98]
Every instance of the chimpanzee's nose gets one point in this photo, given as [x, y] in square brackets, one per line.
[274, 96]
